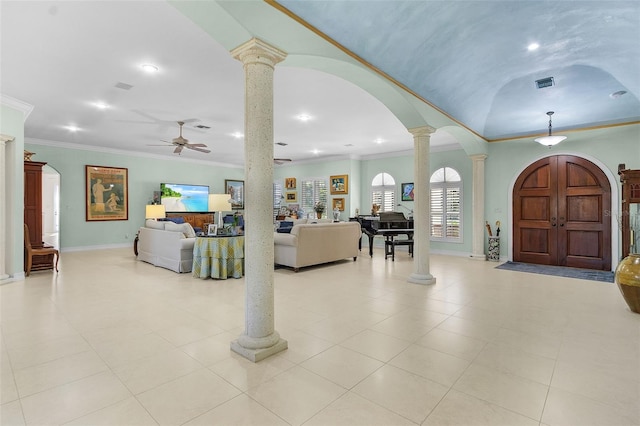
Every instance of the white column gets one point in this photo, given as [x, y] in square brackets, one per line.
[259, 340]
[3, 206]
[477, 201]
[422, 206]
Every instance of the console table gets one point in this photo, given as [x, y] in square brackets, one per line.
[218, 257]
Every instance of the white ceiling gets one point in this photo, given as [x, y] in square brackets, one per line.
[62, 56]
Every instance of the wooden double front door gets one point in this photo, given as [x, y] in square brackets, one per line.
[560, 214]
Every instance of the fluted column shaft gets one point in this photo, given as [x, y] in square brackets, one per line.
[259, 339]
[477, 201]
[422, 206]
[3, 206]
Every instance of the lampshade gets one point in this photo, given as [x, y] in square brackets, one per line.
[155, 211]
[219, 203]
[550, 140]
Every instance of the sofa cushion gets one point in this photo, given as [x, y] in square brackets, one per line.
[175, 227]
[284, 239]
[154, 224]
[177, 219]
[285, 227]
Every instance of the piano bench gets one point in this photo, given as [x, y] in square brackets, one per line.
[390, 247]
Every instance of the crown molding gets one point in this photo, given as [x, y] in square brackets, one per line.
[17, 104]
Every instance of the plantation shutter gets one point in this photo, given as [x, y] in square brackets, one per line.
[452, 200]
[277, 199]
[437, 212]
[313, 191]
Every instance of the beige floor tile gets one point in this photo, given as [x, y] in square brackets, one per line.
[119, 352]
[376, 345]
[127, 412]
[8, 389]
[404, 393]
[182, 334]
[58, 372]
[342, 366]
[459, 409]
[430, 364]
[470, 328]
[569, 409]
[245, 374]
[11, 414]
[511, 359]
[147, 373]
[67, 402]
[452, 343]
[296, 395]
[303, 346]
[210, 350]
[241, 410]
[187, 397]
[542, 345]
[351, 409]
[47, 351]
[110, 335]
[604, 387]
[403, 328]
[506, 390]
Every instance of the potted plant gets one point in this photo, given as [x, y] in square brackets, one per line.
[319, 208]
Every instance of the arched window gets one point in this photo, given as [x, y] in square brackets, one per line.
[446, 205]
[383, 192]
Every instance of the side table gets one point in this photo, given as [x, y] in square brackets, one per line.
[218, 257]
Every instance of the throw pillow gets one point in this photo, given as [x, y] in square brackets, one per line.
[286, 230]
[178, 219]
[154, 224]
[188, 230]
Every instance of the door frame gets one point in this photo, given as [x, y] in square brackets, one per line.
[615, 201]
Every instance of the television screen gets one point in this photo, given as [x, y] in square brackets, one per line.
[177, 197]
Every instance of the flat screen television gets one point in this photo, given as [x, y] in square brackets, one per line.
[180, 197]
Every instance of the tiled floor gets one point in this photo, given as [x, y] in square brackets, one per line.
[114, 341]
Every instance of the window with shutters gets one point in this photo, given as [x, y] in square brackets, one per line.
[383, 192]
[446, 205]
[278, 198]
[313, 191]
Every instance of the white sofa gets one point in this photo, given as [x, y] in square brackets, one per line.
[315, 243]
[168, 248]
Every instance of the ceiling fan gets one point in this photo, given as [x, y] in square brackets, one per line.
[181, 143]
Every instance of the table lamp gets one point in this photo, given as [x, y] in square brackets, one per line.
[219, 203]
[155, 211]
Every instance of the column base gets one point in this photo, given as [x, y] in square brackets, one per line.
[421, 279]
[478, 257]
[255, 355]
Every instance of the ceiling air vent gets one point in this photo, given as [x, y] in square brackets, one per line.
[545, 82]
[123, 86]
[201, 126]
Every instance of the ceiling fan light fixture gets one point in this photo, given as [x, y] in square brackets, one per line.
[550, 140]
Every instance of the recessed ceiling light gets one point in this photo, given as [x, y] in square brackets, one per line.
[616, 95]
[100, 105]
[237, 135]
[533, 46]
[303, 117]
[315, 151]
[150, 68]
[379, 141]
[72, 128]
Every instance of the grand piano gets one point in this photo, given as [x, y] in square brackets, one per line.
[387, 224]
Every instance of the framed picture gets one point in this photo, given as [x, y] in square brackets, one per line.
[290, 183]
[339, 184]
[235, 188]
[338, 203]
[291, 197]
[212, 229]
[107, 193]
[407, 191]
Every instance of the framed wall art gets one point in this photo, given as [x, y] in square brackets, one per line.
[339, 184]
[290, 183]
[107, 193]
[291, 197]
[338, 203]
[235, 188]
[407, 191]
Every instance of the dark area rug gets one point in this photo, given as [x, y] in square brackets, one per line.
[559, 271]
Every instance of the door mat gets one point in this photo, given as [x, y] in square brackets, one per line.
[559, 271]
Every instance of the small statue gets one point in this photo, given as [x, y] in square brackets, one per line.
[374, 209]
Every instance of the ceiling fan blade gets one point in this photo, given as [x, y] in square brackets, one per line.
[190, 146]
[201, 145]
[178, 149]
[281, 160]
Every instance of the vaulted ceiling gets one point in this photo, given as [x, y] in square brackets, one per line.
[466, 62]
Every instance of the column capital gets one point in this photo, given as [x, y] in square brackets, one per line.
[257, 51]
[6, 138]
[478, 157]
[422, 131]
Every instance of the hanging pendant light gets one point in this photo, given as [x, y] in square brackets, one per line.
[550, 140]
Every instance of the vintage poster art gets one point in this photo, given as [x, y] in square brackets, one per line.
[235, 188]
[107, 193]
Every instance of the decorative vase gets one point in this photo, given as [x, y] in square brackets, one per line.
[319, 215]
[627, 278]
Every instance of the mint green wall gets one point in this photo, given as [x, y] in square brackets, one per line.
[605, 147]
[12, 124]
[145, 176]
[401, 168]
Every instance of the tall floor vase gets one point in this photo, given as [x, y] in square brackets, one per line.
[628, 280]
